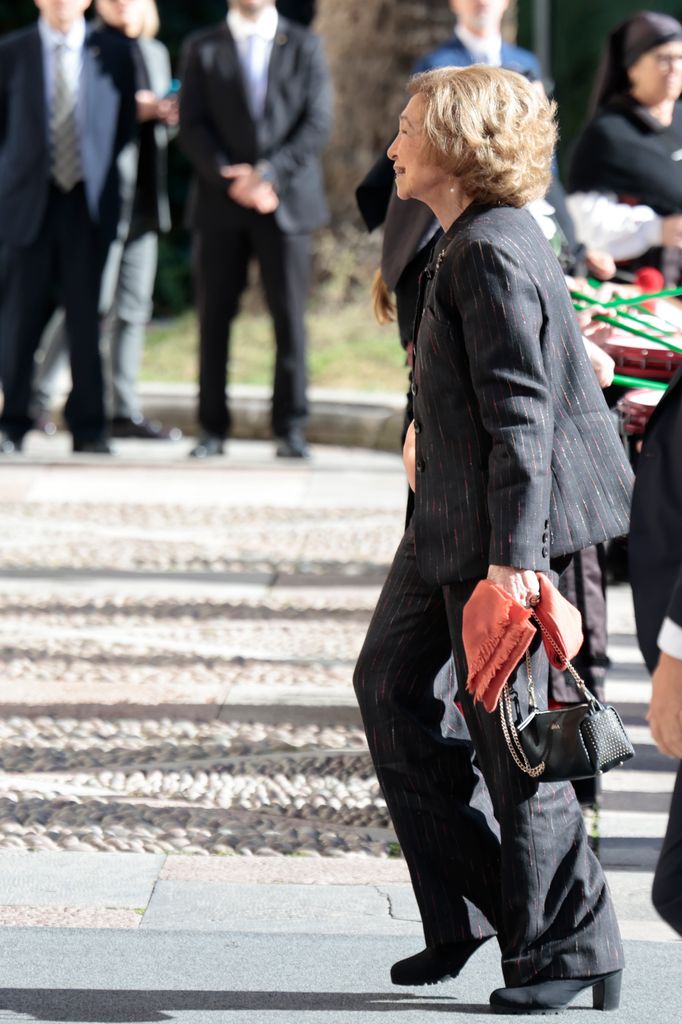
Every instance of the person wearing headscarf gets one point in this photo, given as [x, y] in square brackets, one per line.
[626, 174]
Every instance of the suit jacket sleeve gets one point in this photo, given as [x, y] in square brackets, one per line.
[197, 139]
[164, 62]
[127, 120]
[312, 130]
[674, 611]
[502, 321]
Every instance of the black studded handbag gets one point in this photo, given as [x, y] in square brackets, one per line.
[577, 742]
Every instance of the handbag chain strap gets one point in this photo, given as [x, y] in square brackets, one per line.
[567, 665]
[511, 736]
[507, 712]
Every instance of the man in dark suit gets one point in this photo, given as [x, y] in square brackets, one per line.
[477, 39]
[130, 270]
[254, 114]
[655, 549]
[67, 109]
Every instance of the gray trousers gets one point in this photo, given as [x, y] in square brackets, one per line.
[126, 306]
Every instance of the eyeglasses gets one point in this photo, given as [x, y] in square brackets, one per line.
[668, 60]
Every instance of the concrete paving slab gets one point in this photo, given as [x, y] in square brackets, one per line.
[322, 909]
[351, 870]
[231, 978]
[68, 917]
[626, 852]
[78, 879]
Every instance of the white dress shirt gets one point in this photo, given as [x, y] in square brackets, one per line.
[484, 50]
[254, 40]
[624, 231]
[74, 41]
[670, 639]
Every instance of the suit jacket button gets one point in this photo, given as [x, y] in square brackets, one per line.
[417, 427]
[545, 550]
[421, 465]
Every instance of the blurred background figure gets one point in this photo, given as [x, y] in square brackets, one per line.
[297, 10]
[477, 39]
[626, 174]
[67, 98]
[656, 572]
[255, 113]
[126, 299]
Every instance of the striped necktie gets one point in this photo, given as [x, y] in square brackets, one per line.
[66, 162]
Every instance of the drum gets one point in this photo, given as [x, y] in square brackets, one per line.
[635, 357]
[635, 409]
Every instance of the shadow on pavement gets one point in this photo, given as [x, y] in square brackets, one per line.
[123, 1007]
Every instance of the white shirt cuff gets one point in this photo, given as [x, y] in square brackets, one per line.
[670, 639]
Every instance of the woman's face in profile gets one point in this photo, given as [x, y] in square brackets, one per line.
[417, 176]
[657, 75]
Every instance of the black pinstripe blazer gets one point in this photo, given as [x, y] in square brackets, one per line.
[518, 460]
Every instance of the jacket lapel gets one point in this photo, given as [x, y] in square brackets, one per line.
[101, 115]
[35, 86]
[280, 48]
[231, 66]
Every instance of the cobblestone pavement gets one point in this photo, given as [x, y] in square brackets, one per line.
[177, 644]
[177, 672]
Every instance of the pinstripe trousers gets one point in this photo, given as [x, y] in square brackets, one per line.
[489, 849]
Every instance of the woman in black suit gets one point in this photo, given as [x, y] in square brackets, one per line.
[508, 423]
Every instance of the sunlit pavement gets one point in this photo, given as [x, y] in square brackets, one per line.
[177, 642]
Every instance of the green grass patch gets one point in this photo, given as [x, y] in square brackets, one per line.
[347, 350]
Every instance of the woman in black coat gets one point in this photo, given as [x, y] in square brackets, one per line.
[626, 173]
[508, 421]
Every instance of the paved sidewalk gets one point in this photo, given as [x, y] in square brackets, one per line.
[177, 643]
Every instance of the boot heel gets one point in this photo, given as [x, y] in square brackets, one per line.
[606, 992]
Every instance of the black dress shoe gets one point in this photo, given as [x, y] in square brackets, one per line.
[556, 993]
[435, 963]
[143, 429]
[45, 424]
[10, 445]
[207, 446]
[292, 446]
[100, 447]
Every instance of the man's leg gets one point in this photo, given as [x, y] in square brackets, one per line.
[51, 359]
[667, 890]
[26, 306]
[437, 801]
[125, 326]
[556, 916]
[221, 260]
[285, 271]
[81, 259]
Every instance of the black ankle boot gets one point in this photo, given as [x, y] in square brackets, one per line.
[557, 993]
[434, 963]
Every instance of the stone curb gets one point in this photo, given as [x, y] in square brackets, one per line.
[350, 419]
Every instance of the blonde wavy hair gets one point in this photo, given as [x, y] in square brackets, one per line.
[151, 23]
[491, 129]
